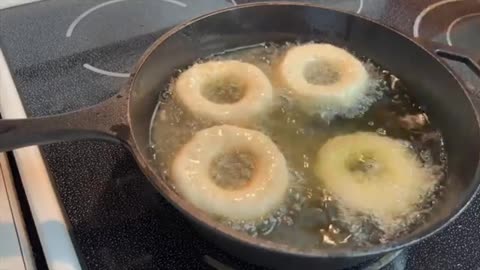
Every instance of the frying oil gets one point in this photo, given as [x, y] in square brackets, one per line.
[310, 216]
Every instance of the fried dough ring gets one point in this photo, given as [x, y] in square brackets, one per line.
[338, 94]
[264, 192]
[192, 85]
[372, 174]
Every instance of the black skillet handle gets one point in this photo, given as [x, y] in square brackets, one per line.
[470, 59]
[107, 121]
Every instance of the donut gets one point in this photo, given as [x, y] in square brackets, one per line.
[226, 92]
[372, 174]
[324, 78]
[263, 192]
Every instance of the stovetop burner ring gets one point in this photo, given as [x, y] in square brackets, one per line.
[455, 22]
[424, 12]
[360, 7]
[85, 14]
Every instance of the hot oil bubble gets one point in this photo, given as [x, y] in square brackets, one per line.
[284, 216]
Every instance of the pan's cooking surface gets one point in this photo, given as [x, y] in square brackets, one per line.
[62, 60]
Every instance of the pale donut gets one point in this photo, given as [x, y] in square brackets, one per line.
[264, 192]
[340, 95]
[394, 184]
[257, 89]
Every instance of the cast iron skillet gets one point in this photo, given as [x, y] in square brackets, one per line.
[126, 117]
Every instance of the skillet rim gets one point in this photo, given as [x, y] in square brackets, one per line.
[199, 217]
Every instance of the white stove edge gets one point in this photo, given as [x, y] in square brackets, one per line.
[45, 207]
[13, 3]
[15, 249]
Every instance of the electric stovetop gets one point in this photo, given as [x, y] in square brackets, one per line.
[65, 55]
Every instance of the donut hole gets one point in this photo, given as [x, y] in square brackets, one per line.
[363, 163]
[233, 170]
[224, 89]
[321, 72]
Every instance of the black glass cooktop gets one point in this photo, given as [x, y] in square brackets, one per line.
[65, 55]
